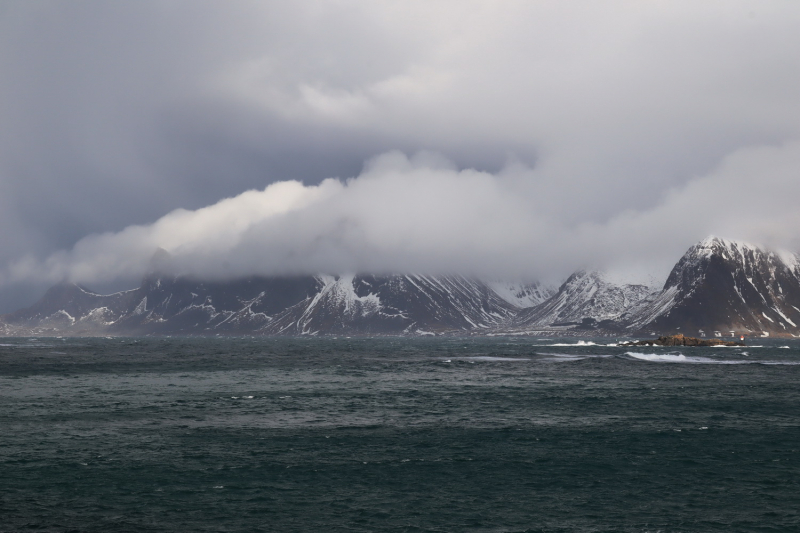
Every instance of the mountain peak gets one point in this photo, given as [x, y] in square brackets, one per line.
[720, 284]
[714, 243]
[160, 262]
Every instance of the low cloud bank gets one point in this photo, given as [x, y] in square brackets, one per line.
[638, 128]
[422, 214]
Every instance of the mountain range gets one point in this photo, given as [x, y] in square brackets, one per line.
[719, 287]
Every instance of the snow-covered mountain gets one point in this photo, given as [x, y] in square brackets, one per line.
[586, 300]
[161, 306]
[395, 304]
[717, 286]
[306, 305]
[722, 285]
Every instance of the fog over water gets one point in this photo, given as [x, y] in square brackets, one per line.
[521, 140]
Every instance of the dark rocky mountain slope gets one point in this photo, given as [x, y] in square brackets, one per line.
[721, 285]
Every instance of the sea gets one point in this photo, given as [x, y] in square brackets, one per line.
[500, 434]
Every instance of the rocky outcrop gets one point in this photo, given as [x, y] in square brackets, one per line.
[681, 340]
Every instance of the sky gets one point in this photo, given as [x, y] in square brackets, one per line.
[503, 139]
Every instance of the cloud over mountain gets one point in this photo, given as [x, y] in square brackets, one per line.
[567, 132]
[422, 214]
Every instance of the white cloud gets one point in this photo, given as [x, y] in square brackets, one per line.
[422, 214]
[620, 114]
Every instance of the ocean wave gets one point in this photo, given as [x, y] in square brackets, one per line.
[567, 357]
[579, 343]
[667, 358]
[26, 345]
[680, 358]
[491, 358]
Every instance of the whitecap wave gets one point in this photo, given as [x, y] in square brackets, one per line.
[492, 358]
[680, 358]
[566, 357]
[667, 358]
[579, 343]
[37, 345]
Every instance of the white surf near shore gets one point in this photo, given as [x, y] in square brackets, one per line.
[680, 358]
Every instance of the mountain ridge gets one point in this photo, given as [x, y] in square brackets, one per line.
[716, 287]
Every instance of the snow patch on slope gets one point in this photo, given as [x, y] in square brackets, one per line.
[520, 294]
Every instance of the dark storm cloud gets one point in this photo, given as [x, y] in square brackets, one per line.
[599, 132]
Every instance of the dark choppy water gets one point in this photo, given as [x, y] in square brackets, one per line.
[357, 435]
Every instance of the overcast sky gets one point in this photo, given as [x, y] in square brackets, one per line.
[498, 138]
